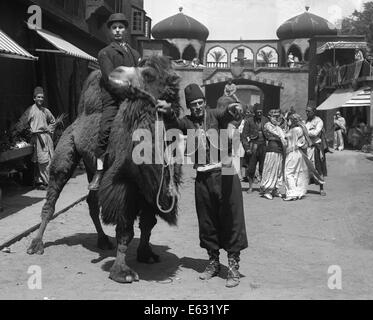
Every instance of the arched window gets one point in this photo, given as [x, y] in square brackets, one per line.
[242, 56]
[189, 53]
[174, 52]
[217, 57]
[267, 57]
[307, 55]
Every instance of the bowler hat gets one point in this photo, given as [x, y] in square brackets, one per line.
[117, 17]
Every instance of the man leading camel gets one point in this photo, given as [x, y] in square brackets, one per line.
[218, 196]
[117, 53]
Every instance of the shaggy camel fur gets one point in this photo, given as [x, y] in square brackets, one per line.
[127, 190]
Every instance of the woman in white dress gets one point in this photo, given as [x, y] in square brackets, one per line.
[296, 171]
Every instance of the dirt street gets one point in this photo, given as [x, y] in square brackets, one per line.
[291, 247]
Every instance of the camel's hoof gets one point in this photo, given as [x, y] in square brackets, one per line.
[123, 274]
[36, 247]
[104, 243]
[147, 256]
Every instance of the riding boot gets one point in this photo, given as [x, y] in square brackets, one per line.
[213, 267]
[96, 181]
[233, 277]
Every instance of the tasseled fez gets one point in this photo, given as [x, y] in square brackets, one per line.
[38, 90]
[193, 92]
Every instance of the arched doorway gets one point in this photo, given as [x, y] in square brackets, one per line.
[296, 52]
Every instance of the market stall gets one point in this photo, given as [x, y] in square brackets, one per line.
[11, 160]
[12, 153]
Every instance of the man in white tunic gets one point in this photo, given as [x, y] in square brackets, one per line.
[40, 121]
[316, 152]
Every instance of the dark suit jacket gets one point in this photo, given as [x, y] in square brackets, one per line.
[114, 56]
[251, 130]
[215, 119]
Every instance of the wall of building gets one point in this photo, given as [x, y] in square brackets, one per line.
[295, 89]
[294, 92]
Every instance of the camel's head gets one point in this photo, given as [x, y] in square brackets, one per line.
[154, 79]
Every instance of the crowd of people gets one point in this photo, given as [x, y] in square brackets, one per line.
[282, 149]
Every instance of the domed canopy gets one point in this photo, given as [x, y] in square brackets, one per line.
[180, 26]
[305, 25]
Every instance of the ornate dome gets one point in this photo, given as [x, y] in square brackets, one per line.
[305, 25]
[180, 26]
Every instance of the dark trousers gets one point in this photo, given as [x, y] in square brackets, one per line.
[220, 212]
[110, 106]
[258, 155]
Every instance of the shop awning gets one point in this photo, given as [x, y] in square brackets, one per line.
[10, 49]
[63, 46]
[341, 45]
[342, 98]
[362, 99]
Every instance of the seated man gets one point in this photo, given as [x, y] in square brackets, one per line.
[230, 90]
[117, 53]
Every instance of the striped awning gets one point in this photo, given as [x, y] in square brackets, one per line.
[246, 77]
[342, 98]
[361, 99]
[341, 45]
[63, 46]
[10, 49]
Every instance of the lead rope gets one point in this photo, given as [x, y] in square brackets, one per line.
[171, 186]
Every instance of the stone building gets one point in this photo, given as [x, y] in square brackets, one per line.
[262, 69]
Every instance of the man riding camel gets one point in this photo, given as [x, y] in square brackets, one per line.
[117, 53]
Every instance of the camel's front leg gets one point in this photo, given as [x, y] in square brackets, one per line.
[145, 253]
[120, 272]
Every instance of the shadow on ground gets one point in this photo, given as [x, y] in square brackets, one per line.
[199, 266]
[16, 203]
[164, 270]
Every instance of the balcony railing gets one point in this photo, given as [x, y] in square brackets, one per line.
[225, 65]
[266, 65]
[222, 65]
